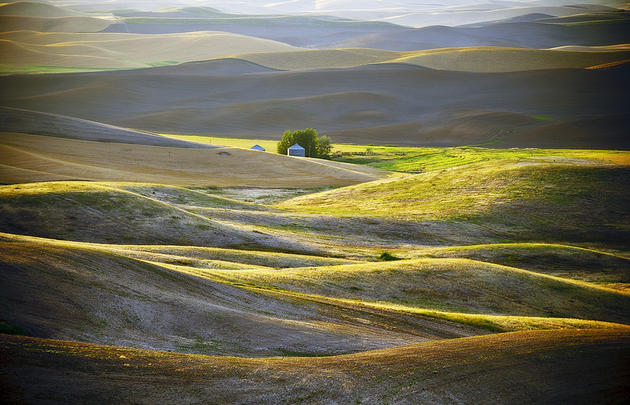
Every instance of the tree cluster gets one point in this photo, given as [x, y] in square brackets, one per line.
[309, 139]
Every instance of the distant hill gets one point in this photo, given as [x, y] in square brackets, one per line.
[35, 9]
[53, 24]
[515, 34]
[381, 104]
[29, 50]
[174, 12]
[38, 123]
[307, 31]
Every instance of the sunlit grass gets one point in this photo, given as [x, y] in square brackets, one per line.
[188, 255]
[508, 199]
[424, 159]
[266, 282]
[498, 323]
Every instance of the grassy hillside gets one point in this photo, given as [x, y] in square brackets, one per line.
[101, 213]
[195, 256]
[88, 294]
[559, 260]
[458, 285]
[440, 256]
[580, 201]
[29, 158]
[536, 362]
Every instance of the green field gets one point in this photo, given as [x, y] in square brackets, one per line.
[424, 159]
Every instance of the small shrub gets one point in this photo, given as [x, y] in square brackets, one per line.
[386, 257]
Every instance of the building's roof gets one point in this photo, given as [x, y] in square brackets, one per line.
[257, 147]
[296, 147]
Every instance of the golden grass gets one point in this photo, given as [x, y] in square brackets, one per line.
[608, 65]
[499, 323]
[178, 254]
[330, 285]
[470, 190]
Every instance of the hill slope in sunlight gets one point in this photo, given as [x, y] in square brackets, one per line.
[525, 200]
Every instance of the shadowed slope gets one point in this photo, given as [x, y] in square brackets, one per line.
[391, 104]
[577, 367]
[100, 213]
[518, 34]
[297, 30]
[88, 294]
[38, 123]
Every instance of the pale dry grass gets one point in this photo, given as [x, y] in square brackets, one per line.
[28, 158]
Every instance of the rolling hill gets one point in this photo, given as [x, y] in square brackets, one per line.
[58, 126]
[25, 49]
[559, 366]
[35, 9]
[469, 59]
[554, 259]
[45, 158]
[86, 294]
[147, 255]
[582, 202]
[456, 285]
[298, 30]
[29, 49]
[534, 34]
[379, 104]
[72, 210]
[53, 24]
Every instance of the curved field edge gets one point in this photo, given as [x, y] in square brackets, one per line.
[495, 323]
[540, 363]
[164, 253]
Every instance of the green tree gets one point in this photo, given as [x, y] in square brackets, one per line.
[324, 147]
[309, 139]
